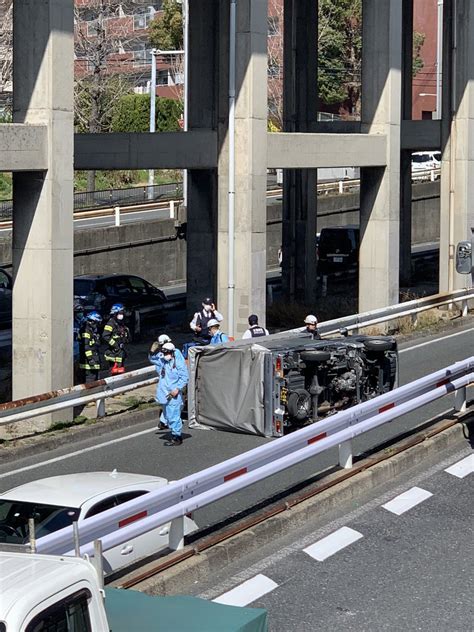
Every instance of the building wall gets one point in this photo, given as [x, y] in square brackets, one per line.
[425, 21]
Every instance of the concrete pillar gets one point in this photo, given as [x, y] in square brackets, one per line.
[380, 187]
[250, 164]
[405, 159]
[43, 201]
[457, 168]
[299, 186]
[203, 78]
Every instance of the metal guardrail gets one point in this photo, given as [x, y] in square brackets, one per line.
[182, 497]
[99, 391]
[106, 198]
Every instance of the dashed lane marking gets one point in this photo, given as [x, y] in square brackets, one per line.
[249, 591]
[409, 499]
[332, 543]
[462, 468]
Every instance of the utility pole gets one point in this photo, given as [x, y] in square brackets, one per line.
[151, 172]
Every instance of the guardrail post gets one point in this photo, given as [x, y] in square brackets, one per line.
[464, 309]
[414, 320]
[176, 534]
[97, 562]
[345, 454]
[460, 400]
[117, 216]
[172, 211]
[432, 175]
[341, 187]
[100, 408]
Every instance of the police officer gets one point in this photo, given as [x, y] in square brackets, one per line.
[89, 341]
[116, 334]
[311, 323]
[173, 377]
[200, 321]
[254, 330]
[217, 336]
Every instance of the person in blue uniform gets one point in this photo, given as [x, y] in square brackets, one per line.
[173, 377]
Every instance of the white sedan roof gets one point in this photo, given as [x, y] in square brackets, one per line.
[73, 490]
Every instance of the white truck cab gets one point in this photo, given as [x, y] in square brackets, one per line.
[44, 592]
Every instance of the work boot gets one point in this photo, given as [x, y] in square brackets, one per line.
[120, 369]
[162, 426]
[175, 440]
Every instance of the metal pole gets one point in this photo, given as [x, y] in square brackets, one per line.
[151, 172]
[231, 194]
[185, 95]
[439, 59]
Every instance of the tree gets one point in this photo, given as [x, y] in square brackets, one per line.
[102, 67]
[132, 114]
[166, 30]
[6, 42]
[340, 50]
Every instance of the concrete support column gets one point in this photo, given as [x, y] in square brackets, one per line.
[380, 187]
[457, 167]
[43, 201]
[203, 79]
[405, 159]
[299, 186]
[250, 165]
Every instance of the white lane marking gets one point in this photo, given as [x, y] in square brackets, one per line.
[76, 453]
[462, 468]
[332, 543]
[407, 500]
[249, 591]
[430, 342]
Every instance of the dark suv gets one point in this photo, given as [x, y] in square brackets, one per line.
[142, 300]
[338, 248]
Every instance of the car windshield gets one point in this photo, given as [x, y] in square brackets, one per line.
[14, 517]
[421, 158]
[83, 287]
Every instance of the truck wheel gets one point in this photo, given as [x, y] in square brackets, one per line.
[378, 344]
[299, 404]
[315, 356]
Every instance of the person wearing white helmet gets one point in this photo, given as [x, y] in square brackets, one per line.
[173, 377]
[217, 336]
[155, 356]
[311, 323]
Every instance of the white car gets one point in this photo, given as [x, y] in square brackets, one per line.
[58, 501]
[425, 160]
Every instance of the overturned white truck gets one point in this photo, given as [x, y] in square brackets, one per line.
[285, 381]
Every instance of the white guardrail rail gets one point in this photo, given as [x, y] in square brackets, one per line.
[24, 409]
[179, 498]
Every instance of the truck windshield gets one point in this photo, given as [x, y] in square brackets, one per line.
[14, 517]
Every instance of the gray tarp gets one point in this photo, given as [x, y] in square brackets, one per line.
[226, 387]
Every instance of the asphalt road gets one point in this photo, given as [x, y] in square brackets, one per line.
[140, 448]
[401, 561]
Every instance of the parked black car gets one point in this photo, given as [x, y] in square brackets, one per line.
[338, 248]
[142, 300]
[5, 299]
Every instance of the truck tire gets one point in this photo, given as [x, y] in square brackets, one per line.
[315, 356]
[378, 344]
[299, 404]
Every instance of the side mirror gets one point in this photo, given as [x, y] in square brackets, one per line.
[344, 332]
[464, 257]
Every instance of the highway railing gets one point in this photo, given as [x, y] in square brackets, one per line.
[145, 196]
[100, 391]
[182, 497]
